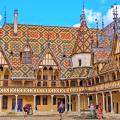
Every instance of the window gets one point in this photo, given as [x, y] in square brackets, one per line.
[97, 80]
[44, 77]
[37, 100]
[73, 83]
[39, 75]
[27, 57]
[53, 83]
[6, 74]
[44, 100]
[5, 102]
[39, 84]
[5, 83]
[44, 84]
[80, 62]
[113, 76]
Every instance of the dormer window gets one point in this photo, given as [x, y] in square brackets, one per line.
[79, 62]
[25, 56]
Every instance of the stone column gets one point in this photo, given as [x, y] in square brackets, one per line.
[96, 99]
[78, 81]
[52, 103]
[111, 97]
[34, 109]
[0, 103]
[103, 96]
[16, 103]
[65, 84]
[88, 101]
[65, 103]
[42, 77]
[116, 77]
[69, 103]
[78, 103]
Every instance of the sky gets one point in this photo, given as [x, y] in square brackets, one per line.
[58, 12]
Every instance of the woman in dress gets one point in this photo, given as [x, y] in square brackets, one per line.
[99, 113]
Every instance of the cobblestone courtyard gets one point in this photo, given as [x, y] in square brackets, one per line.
[54, 117]
[36, 118]
[40, 118]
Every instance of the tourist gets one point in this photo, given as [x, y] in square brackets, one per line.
[30, 112]
[25, 109]
[61, 110]
[92, 110]
[99, 113]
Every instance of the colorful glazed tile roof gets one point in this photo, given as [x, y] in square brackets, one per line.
[63, 40]
[111, 65]
[102, 54]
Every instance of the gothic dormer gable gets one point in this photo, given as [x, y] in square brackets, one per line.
[48, 58]
[4, 60]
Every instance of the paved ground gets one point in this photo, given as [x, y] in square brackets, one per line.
[54, 117]
[40, 118]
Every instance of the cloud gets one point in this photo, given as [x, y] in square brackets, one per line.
[108, 18]
[76, 25]
[92, 15]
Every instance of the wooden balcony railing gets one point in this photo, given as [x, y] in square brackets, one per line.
[113, 85]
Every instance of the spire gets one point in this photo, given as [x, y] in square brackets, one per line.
[115, 16]
[97, 30]
[5, 17]
[82, 17]
[102, 23]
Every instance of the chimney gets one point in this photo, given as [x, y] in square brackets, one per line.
[15, 20]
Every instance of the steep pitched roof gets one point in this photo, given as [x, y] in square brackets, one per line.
[111, 65]
[84, 39]
[50, 50]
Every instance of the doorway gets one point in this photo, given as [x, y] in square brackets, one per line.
[109, 104]
[19, 104]
[117, 108]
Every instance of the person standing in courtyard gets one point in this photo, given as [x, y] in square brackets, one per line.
[61, 110]
[99, 113]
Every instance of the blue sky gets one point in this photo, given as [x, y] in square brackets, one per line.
[57, 12]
